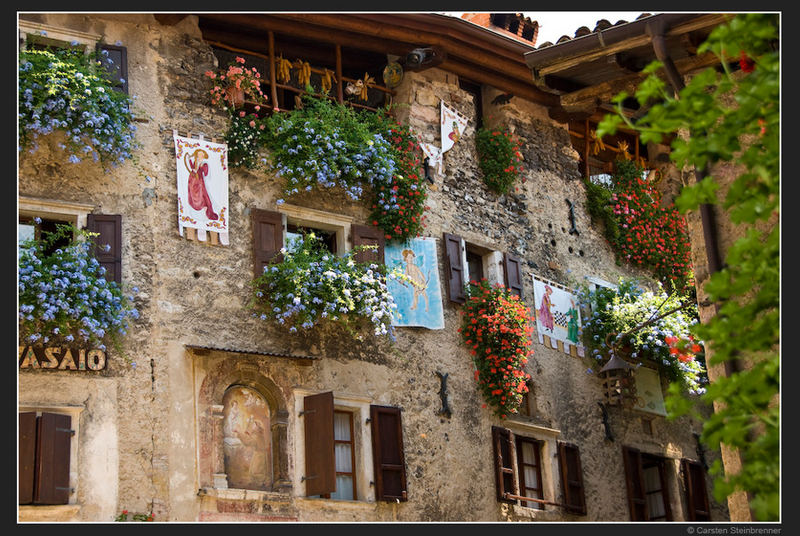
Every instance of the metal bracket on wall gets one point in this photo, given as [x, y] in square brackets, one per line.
[606, 425]
[445, 410]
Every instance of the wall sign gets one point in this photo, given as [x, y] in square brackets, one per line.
[419, 300]
[61, 358]
[558, 317]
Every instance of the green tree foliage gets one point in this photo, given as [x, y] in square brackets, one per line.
[734, 118]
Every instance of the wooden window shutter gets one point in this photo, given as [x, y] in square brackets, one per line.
[387, 453]
[455, 268]
[118, 70]
[53, 438]
[320, 477]
[267, 238]
[109, 228]
[512, 271]
[634, 482]
[27, 456]
[572, 478]
[696, 496]
[366, 235]
[505, 476]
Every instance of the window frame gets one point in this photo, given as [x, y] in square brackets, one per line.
[496, 266]
[537, 465]
[634, 466]
[359, 408]
[547, 439]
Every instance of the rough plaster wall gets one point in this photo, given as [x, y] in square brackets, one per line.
[193, 293]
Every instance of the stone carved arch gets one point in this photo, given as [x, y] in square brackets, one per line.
[239, 372]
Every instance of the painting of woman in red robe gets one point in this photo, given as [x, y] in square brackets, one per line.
[198, 196]
[545, 316]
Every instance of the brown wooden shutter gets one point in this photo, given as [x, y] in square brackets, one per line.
[267, 238]
[455, 268]
[320, 477]
[27, 456]
[572, 478]
[53, 438]
[387, 453]
[634, 482]
[512, 272]
[505, 476]
[118, 69]
[366, 235]
[696, 496]
[109, 227]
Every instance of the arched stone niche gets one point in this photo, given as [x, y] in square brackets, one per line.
[242, 421]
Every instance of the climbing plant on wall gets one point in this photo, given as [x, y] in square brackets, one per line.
[641, 230]
[734, 117]
[499, 158]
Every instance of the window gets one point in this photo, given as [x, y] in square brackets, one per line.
[524, 475]
[527, 408]
[477, 99]
[45, 447]
[648, 499]
[694, 479]
[273, 230]
[295, 232]
[33, 34]
[334, 458]
[465, 262]
[530, 470]
[50, 213]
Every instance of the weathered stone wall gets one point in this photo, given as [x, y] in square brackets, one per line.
[192, 293]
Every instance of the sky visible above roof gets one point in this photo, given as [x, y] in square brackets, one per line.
[554, 24]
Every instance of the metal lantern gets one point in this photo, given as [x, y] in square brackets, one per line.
[619, 386]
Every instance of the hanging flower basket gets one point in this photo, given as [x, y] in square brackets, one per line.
[235, 96]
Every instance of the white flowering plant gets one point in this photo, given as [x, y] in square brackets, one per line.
[246, 137]
[617, 311]
[65, 89]
[312, 286]
[64, 296]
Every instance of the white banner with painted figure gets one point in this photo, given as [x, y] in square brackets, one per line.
[558, 316]
[453, 126]
[202, 169]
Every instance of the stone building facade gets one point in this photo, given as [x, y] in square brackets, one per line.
[150, 428]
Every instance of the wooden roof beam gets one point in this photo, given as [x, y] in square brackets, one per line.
[604, 92]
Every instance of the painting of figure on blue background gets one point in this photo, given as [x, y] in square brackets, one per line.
[418, 295]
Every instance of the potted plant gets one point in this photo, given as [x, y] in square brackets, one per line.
[64, 296]
[67, 90]
[496, 328]
[235, 84]
[312, 286]
[644, 327]
[499, 158]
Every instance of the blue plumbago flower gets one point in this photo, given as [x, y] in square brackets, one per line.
[64, 294]
[65, 89]
[311, 285]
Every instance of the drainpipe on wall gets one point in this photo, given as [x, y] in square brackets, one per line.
[656, 30]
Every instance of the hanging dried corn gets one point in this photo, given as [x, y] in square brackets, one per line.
[303, 69]
[598, 143]
[282, 69]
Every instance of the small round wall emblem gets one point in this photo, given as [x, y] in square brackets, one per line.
[392, 75]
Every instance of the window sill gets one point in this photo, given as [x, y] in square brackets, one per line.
[48, 513]
[234, 494]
